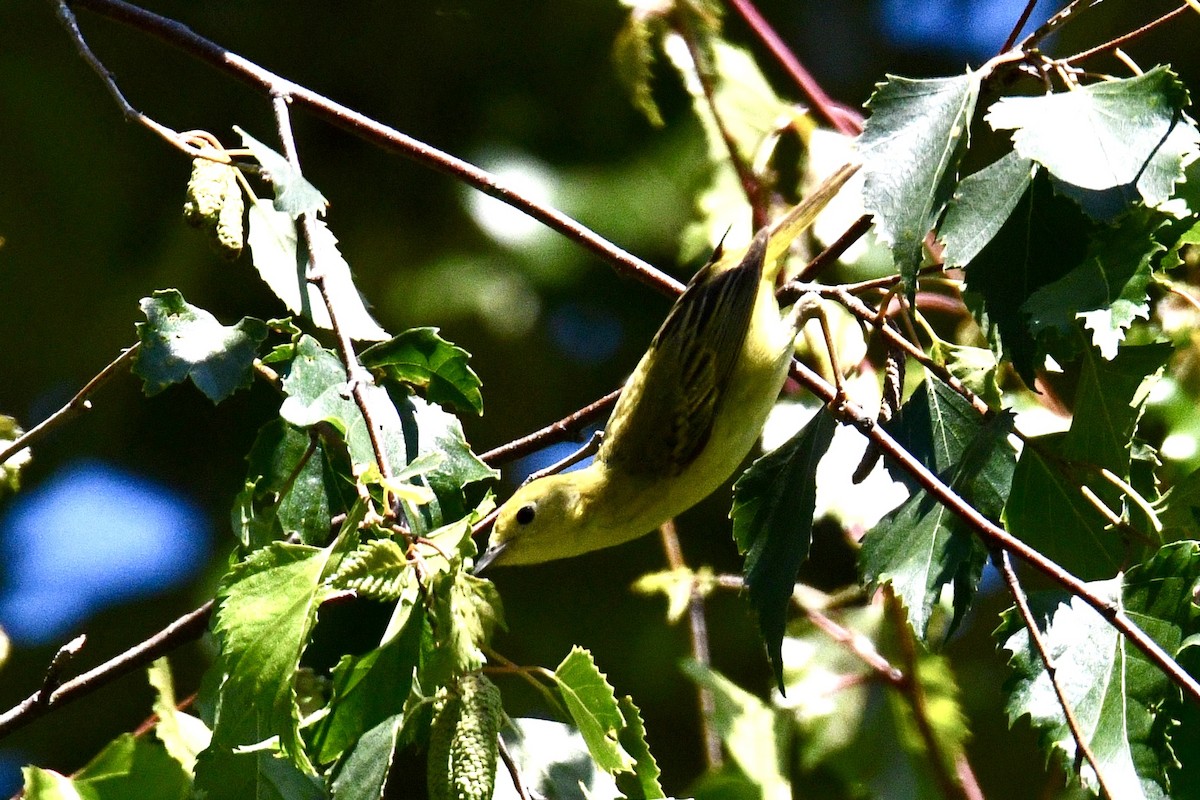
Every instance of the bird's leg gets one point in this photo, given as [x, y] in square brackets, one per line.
[809, 307]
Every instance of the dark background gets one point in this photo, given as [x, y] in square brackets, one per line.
[89, 215]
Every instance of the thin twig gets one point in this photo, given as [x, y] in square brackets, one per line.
[556, 431]
[76, 405]
[1004, 562]
[833, 252]
[188, 627]
[184, 38]
[1124, 39]
[1016, 29]
[845, 120]
[701, 652]
[991, 533]
[1052, 25]
[357, 376]
[858, 645]
[511, 766]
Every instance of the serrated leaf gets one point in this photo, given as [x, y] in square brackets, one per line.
[376, 570]
[1042, 240]
[294, 195]
[180, 341]
[420, 357]
[911, 145]
[976, 367]
[1107, 291]
[642, 783]
[317, 392]
[593, 706]
[773, 503]
[284, 268]
[1127, 132]
[633, 57]
[923, 547]
[128, 768]
[267, 607]
[756, 737]
[1117, 695]
[183, 735]
[982, 203]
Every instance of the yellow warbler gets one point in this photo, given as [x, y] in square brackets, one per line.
[687, 416]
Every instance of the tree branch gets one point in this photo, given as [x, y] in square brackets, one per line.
[76, 405]
[188, 627]
[391, 140]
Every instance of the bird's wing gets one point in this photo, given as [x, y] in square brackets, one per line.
[686, 371]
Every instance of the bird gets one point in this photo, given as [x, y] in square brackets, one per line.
[688, 414]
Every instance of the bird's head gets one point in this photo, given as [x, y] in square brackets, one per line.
[542, 521]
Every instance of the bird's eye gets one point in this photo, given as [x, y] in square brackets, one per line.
[525, 514]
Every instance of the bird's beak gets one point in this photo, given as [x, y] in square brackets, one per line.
[489, 556]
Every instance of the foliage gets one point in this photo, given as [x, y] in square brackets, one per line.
[1064, 241]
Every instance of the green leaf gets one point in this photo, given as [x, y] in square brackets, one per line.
[593, 706]
[365, 772]
[643, 783]
[1108, 404]
[128, 768]
[981, 205]
[1179, 509]
[976, 367]
[1107, 291]
[1042, 240]
[1118, 133]
[773, 503]
[757, 738]
[294, 195]
[267, 607]
[376, 570]
[317, 392]
[367, 690]
[292, 487]
[283, 266]
[180, 341]
[10, 470]
[1047, 510]
[1116, 694]
[911, 146]
[183, 735]
[420, 357]
[633, 57]
[923, 547]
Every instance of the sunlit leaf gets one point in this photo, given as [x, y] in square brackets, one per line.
[128, 768]
[420, 357]
[180, 341]
[593, 706]
[1126, 133]
[911, 147]
[756, 737]
[10, 470]
[1116, 695]
[642, 783]
[294, 195]
[183, 735]
[1107, 291]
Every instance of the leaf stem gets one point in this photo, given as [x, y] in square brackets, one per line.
[1124, 39]
[76, 405]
